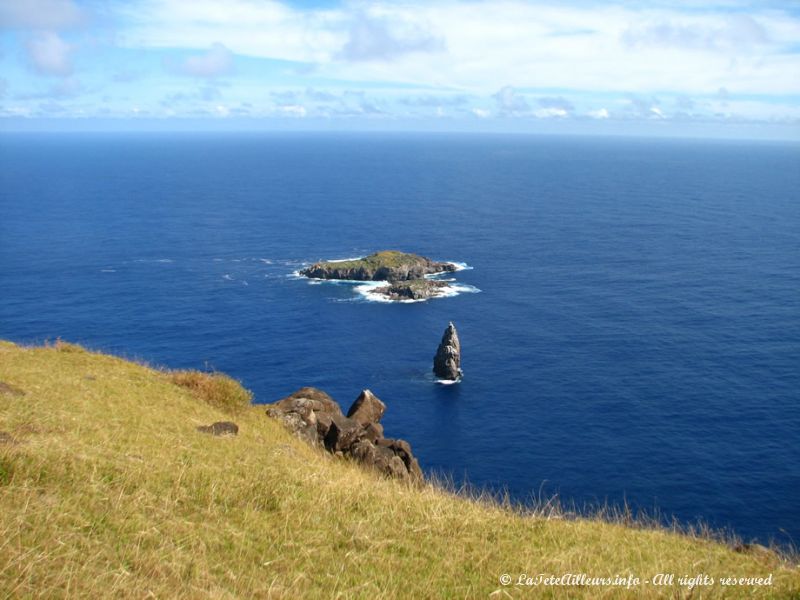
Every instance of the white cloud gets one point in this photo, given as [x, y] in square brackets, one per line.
[483, 45]
[547, 113]
[217, 61]
[561, 105]
[374, 38]
[467, 59]
[509, 102]
[48, 54]
[293, 110]
[39, 14]
[733, 33]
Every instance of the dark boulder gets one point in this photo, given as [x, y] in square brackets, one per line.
[342, 434]
[367, 408]
[402, 449]
[447, 362]
[373, 432]
[319, 400]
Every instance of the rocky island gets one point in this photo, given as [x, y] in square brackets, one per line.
[413, 289]
[388, 265]
[447, 362]
[409, 277]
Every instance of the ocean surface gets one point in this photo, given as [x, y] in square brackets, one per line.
[635, 337]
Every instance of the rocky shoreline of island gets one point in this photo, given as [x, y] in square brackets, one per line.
[408, 277]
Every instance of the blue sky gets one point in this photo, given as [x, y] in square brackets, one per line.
[726, 68]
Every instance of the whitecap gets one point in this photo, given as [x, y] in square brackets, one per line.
[459, 288]
[448, 381]
[460, 266]
[228, 277]
[108, 270]
[339, 260]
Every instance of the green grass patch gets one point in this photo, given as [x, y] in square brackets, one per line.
[385, 258]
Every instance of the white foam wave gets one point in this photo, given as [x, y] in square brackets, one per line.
[108, 270]
[228, 277]
[448, 381]
[369, 291]
[338, 260]
[460, 266]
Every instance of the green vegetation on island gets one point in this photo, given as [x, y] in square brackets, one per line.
[108, 489]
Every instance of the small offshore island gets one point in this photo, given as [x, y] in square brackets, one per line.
[407, 275]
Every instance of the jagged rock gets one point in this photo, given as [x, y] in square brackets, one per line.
[388, 265]
[10, 390]
[402, 449]
[342, 434]
[294, 422]
[367, 408]
[447, 362]
[320, 401]
[220, 428]
[315, 417]
[373, 432]
[414, 289]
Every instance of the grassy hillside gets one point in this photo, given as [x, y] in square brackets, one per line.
[107, 490]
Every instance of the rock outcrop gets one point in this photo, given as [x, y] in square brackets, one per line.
[447, 362]
[413, 289]
[388, 265]
[314, 416]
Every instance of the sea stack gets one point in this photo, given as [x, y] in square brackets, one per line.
[447, 362]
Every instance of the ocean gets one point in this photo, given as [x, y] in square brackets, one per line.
[629, 317]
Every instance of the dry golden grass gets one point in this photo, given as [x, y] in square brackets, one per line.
[219, 390]
[108, 491]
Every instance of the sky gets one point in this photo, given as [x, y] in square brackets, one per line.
[726, 68]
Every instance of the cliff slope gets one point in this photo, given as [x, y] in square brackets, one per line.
[108, 489]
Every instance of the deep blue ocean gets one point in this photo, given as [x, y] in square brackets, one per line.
[636, 337]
